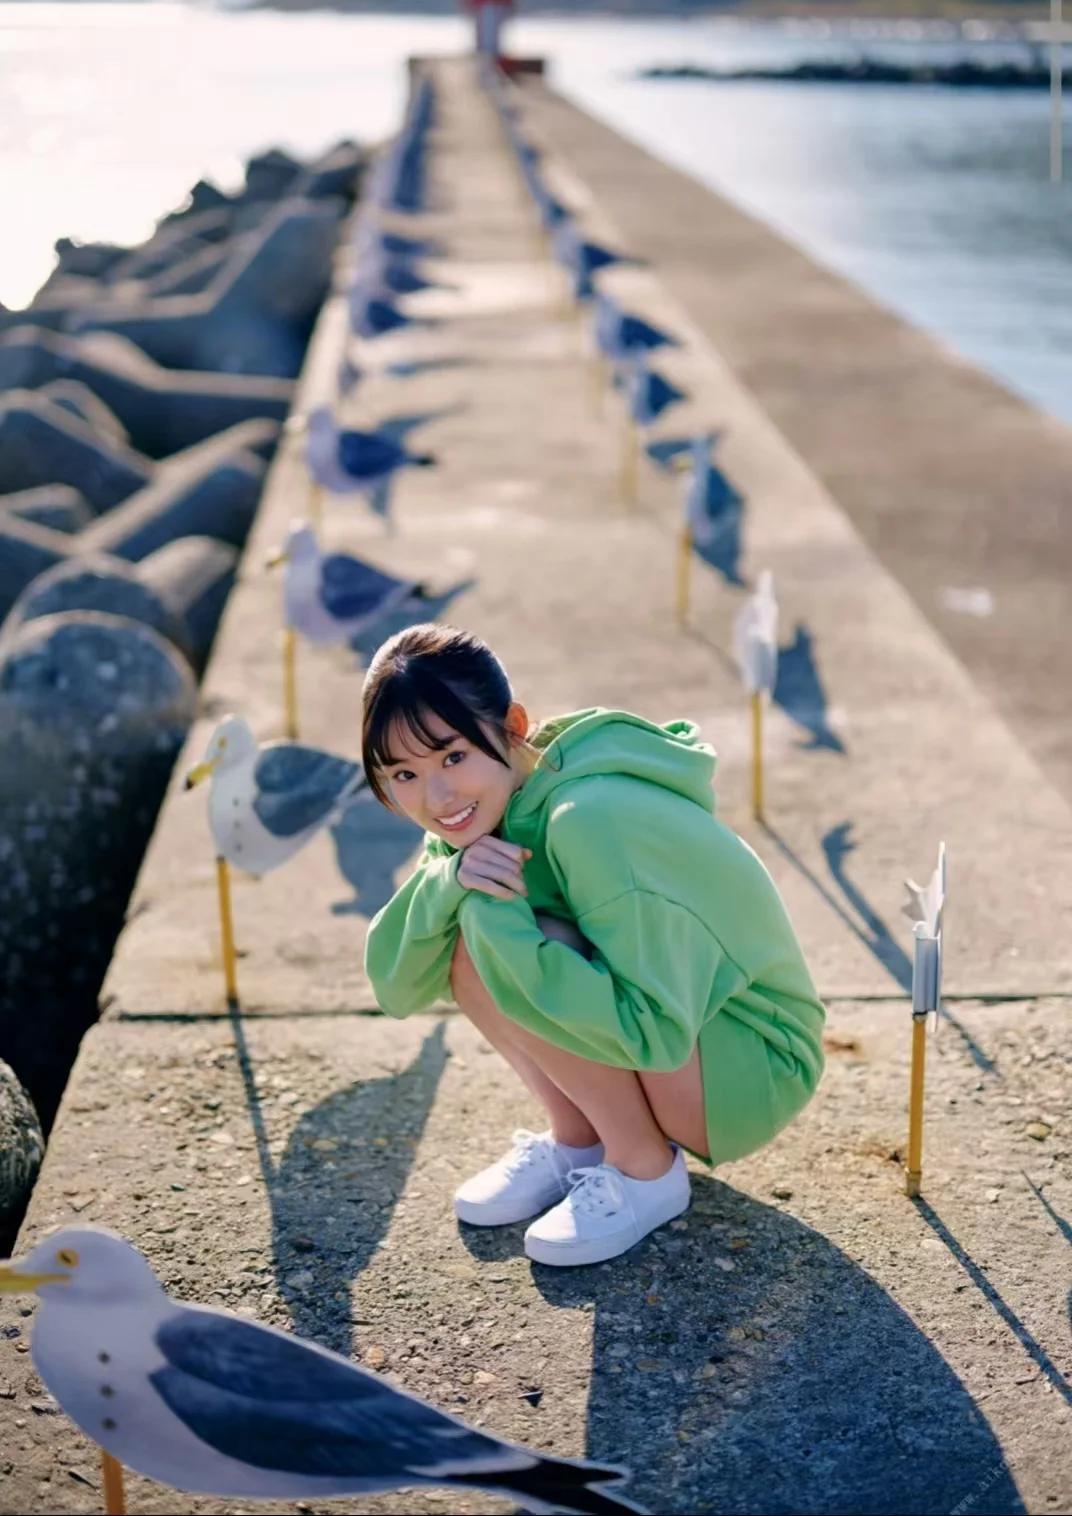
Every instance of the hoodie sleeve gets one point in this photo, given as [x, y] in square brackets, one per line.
[410, 942]
[655, 976]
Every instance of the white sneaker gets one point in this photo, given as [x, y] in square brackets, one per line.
[533, 1175]
[606, 1212]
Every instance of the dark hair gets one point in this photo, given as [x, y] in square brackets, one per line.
[435, 669]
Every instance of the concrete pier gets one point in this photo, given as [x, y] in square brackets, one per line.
[805, 1339]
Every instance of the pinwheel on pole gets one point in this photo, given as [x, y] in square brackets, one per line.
[924, 909]
[328, 598]
[755, 647]
[265, 803]
[209, 1402]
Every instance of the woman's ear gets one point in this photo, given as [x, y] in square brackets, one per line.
[516, 722]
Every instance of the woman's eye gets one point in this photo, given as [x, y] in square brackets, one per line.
[456, 754]
[405, 774]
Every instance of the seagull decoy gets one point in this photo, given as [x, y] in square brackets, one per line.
[580, 259]
[209, 1402]
[623, 338]
[264, 804]
[328, 598]
[332, 597]
[648, 394]
[697, 525]
[755, 647]
[345, 461]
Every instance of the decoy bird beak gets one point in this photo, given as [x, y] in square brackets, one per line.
[200, 772]
[16, 1281]
[275, 558]
[680, 465]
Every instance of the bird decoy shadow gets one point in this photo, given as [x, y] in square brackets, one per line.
[371, 844]
[409, 613]
[798, 690]
[867, 926]
[415, 366]
[398, 428]
[337, 1184]
[787, 1382]
[1063, 1226]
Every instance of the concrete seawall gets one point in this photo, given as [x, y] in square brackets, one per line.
[827, 1347]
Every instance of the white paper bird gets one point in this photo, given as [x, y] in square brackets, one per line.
[332, 597]
[925, 909]
[926, 902]
[755, 638]
[208, 1402]
[266, 802]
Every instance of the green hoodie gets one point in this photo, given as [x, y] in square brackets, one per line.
[692, 943]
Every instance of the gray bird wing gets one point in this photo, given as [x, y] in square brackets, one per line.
[298, 787]
[266, 1399]
[351, 589]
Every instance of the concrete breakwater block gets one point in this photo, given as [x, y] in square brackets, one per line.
[209, 490]
[194, 575]
[26, 550]
[44, 443]
[96, 582]
[93, 712]
[22, 1146]
[77, 398]
[256, 315]
[171, 245]
[162, 411]
[58, 506]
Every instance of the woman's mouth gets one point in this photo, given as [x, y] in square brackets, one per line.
[459, 821]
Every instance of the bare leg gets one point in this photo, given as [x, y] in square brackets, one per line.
[612, 1100]
[677, 1103]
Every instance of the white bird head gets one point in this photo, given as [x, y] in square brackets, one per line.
[301, 545]
[321, 422]
[85, 1264]
[231, 744]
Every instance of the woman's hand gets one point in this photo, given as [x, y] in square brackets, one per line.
[494, 866]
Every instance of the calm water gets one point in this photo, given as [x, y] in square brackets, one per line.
[937, 201]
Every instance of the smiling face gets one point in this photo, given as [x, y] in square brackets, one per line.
[454, 789]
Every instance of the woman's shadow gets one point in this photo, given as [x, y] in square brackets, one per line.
[336, 1187]
[743, 1363]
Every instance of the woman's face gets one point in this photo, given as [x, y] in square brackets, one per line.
[457, 792]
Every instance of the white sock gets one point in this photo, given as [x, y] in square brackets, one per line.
[581, 1158]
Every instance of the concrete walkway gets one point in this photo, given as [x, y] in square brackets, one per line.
[805, 1339]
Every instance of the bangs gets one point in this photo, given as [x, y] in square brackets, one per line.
[405, 700]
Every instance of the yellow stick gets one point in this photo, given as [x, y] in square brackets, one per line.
[115, 1500]
[230, 977]
[684, 576]
[630, 451]
[316, 503]
[914, 1167]
[757, 755]
[290, 682]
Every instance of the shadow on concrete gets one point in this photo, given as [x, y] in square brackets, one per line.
[412, 613]
[371, 844]
[335, 1188]
[784, 1381]
[874, 934]
[398, 428]
[1030, 1344]
[1063, 1226]
[798, 690]
[415, 366]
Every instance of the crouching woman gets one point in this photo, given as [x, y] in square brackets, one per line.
[626, 953]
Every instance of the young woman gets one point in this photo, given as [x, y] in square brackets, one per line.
[626, 953]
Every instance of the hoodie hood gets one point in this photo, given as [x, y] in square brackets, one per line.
[599, 741]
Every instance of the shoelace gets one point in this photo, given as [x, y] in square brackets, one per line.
[526, 1145]
[597, 1190]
